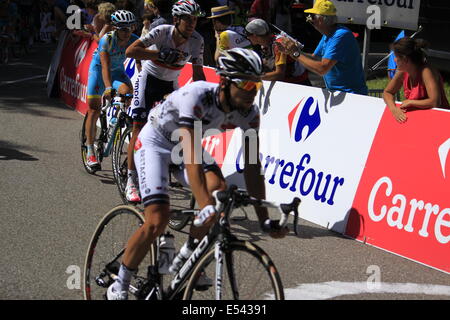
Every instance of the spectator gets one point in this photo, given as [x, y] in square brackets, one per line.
[101, 23]
[338, 54]
[206, 30]
[162, 9]
[422, 84]
[146, 21]
[227, 36]
[278, 65]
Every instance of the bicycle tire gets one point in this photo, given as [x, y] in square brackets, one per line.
[83, 140]
[120, 161]
[249, 273]
[106, 247]
[178, 222]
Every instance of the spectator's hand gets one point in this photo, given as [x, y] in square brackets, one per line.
[286, 45]
[407, 105]
[399, 114]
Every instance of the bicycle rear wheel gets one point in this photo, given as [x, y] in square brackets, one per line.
[83, 141]
[106, 249]
[248, 274]
[120, 160]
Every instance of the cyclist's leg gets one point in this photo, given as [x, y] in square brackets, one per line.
[139, 117]
[94, 95]
[153, 162]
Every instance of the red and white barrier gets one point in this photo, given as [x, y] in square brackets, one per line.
[357, 171]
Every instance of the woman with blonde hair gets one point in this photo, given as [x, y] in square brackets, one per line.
[102, 20]
[422, 84]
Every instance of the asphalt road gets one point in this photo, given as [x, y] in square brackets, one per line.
[50, 207]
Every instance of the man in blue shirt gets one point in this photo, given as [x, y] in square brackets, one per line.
[337, 57]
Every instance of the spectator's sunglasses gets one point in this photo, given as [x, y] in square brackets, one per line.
[247, 85]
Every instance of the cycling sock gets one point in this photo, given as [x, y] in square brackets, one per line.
[90, 150]
[123, 282]
[132, 176]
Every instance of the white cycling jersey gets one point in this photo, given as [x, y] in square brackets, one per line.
[161, 37]
[198, 101]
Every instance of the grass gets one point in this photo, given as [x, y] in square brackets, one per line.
[381, 83]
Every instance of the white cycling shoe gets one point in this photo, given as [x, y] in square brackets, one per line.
[111, 294]
[132, 193]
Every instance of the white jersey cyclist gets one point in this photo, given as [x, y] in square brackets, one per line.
[160, 77]
[161, 37]
[198, 101]
[215, 105]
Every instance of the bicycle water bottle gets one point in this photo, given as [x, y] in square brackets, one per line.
[166, 252]
[111, 132]
[184, 254]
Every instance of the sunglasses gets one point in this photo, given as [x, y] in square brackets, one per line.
[125, 29]
[248, 85]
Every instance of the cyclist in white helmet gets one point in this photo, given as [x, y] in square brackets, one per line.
[209, 105]
[167, 48]
[107, 73]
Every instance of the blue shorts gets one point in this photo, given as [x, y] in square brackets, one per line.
[96, 87]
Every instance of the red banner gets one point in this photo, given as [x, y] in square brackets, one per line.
[74, 70]
[403, 200]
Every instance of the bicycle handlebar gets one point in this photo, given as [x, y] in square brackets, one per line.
[241, 198]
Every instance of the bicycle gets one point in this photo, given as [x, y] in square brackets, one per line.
[113, 118]
[233, 262]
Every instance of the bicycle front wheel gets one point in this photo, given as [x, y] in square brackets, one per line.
[106, 249]
[248, 274]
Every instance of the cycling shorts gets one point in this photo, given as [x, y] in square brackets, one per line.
[96, 86]
[147, 91]
[153, 156]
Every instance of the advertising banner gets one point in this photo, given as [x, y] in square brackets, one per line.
[73, 71]
[403, 199]
[401, 14]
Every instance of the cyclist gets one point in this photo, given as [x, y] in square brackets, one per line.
[171, 47]
[107, 73]
[223, 105]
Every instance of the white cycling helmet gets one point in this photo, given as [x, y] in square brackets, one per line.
[188, 7]
[240, 63]
[123, 18]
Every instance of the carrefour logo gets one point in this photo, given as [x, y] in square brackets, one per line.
[308, 119]
[80, 54]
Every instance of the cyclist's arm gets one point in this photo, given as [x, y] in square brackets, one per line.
[106, 69]
[254, 180]
[194, 167]
[138, 51]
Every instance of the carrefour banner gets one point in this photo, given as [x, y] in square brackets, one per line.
[357, 170]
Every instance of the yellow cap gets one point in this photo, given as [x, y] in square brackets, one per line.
[323, 7]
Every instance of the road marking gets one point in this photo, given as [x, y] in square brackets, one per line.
[21, 80]
[332, 289]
